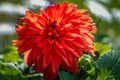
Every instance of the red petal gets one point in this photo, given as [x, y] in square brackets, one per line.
[39, 64]
[33, 55]
[72, 51]
[56, 61]
[47, 59]
[26, 45]
[60, 51]
[47, 46]
[73, 64]
[49, 74]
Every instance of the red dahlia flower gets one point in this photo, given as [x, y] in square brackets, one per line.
[56, 37]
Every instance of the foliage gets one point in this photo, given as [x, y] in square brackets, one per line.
[108, 66]
[101, 48]
[65, 75]
[9, 71]
[10, 54]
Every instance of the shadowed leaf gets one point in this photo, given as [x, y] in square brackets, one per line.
[109, 66]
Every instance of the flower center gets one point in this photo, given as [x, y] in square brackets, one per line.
[53, 31]
[53, 25]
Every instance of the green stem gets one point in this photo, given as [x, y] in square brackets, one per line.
[32, 75]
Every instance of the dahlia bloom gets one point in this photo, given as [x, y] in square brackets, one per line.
[56, 37]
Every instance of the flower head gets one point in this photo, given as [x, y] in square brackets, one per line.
[56, 37]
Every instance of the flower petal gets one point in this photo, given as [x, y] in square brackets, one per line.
[56, 61]
[61, 52]
[33, 55]
[39, 64]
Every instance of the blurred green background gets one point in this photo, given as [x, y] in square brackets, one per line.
[105, 13]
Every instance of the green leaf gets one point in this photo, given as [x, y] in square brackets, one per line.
[101, 48]
[109, 66]
[65, 75]
[10, 54]
[9, 71]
